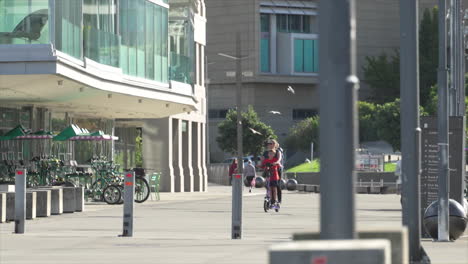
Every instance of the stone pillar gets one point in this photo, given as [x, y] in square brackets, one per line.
[177, 154]
[187, 155]
[203, 156]
[196, 155]
[158, 151]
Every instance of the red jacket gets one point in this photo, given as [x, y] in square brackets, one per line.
[232, 169]
[273, 169]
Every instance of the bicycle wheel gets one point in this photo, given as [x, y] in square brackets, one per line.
[266, 205]
[97, 189]
[111, 194]
[142, 190]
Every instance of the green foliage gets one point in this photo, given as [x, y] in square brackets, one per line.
[313, 166]
[367, 130]
[252, 143]
[428, 54]
[303, 133]
[138, 151]
[431, 106]
[382, 73]
[387, 123]
[389, 166]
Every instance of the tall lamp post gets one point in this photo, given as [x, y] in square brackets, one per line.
[236, 228]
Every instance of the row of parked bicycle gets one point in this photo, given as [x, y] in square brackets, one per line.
[102, 179]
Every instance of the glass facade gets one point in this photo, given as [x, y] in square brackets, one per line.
[102, 40]
[182, 48]
[305, 55]
[68, 35]
[24, 22]
[143, 30]
[127, 34]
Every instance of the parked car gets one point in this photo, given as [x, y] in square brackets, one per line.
[229, 161]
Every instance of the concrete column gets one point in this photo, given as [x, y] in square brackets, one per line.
[158, 151]
[273, 43]
[177, 155]
[196, 155]
[203, 157]
[202, 64]
[3, 207]
[187, 155]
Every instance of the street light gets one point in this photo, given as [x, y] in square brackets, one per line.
[236, 228]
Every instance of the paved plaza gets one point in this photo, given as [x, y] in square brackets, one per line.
[192, 228]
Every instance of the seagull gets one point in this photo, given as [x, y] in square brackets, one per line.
[290, 89]
[254, 131]
[275, 112]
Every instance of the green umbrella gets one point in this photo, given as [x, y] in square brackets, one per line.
[15, 132]
[69, 132]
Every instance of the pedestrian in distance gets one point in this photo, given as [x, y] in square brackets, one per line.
[232, 170]
[250, 173]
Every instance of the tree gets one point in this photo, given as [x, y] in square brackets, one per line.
[303, 133]
[428, 54]
[252, 142]
[367, 130]
[139, 149]
[382, 73]
[387, 123]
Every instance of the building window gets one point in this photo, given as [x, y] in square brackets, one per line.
[182, 50]
[265, 43]
[293, 23]
[300, 114]
[305, 55]
[264, 22]
[143, 34]
[217, 113]
[265, 55]
[30, 18]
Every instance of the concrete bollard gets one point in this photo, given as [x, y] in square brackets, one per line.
[371, 251]
[2, 207]
[79, 199]
[31, 201]
[129, 192]
[69, 203]
[20, 201]
[10, 206]
[398, 237]
[56, 195]
[43, 203]
[236, 222]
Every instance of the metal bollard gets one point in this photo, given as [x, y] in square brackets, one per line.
[129, 191]
[236, 229]
[20, 200]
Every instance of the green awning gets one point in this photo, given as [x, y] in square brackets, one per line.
[15, 132]
[69, 132]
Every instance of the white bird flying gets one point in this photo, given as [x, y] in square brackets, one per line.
[290, 89]
[254, 131]
[275, 112]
